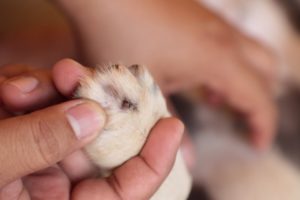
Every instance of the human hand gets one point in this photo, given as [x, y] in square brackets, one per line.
[140, 176]
[54, 182]
[40, 139]
[185, 47]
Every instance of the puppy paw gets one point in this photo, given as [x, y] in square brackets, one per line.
[133, 103]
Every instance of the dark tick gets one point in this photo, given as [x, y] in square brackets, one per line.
[128, 105]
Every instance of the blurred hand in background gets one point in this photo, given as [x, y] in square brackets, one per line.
[186, 47]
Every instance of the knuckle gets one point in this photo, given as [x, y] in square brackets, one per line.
[47, 142]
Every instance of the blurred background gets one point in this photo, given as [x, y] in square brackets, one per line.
[35, 32]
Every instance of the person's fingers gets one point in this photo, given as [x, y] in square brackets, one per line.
[78, 166]
[7, 72]
[260, 58]
[212, 97]
[140, 176]
[48, 184]
[252, 98]
[37, 140]
[3, 112]
[14, 191]
[68, 71]
[29, 91]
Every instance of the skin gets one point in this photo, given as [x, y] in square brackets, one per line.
[37, 169]
[186, 47]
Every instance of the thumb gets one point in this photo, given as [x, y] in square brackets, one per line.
[35, 141]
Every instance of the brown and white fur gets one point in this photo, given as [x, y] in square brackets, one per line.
[133, 104]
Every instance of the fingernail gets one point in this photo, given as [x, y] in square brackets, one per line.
[85, 119]
[25, 84]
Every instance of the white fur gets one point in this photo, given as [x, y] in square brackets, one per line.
[127, 129]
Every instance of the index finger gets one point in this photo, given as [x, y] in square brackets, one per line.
[28, 90]
[68, 71]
